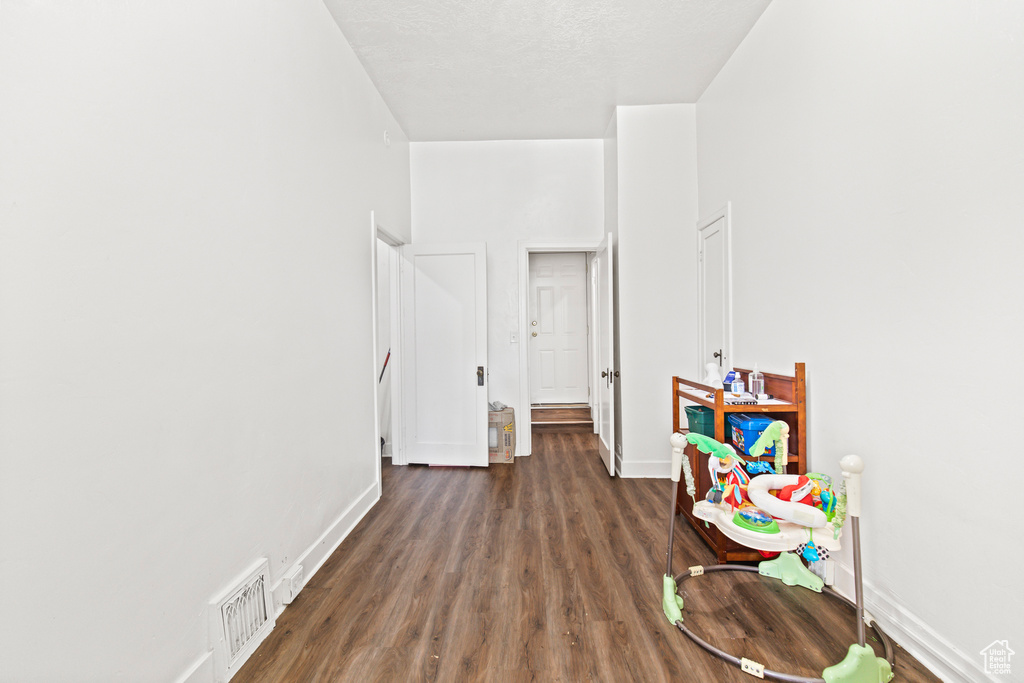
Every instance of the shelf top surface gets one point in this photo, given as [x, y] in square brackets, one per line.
[700, 396]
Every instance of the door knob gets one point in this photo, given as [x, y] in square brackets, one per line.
[534, 323]
[604, 373]
[718, 354]
[534, 334]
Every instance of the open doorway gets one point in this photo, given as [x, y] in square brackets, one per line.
[558, 342]
[564, 315]
[386, 334]
[387, 263]
[427, 410]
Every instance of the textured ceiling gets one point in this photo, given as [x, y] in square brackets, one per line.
[536, 69]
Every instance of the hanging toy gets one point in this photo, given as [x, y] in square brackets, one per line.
[776, 434]
[839, 518]
[691, 488]
[810, 551]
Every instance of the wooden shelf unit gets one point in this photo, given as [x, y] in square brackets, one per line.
[790, 405]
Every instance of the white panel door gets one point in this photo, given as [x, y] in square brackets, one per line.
[715, 302]
[605, 394]
[557, 333]
[444, 344]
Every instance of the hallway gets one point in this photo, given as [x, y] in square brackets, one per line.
[544, 570]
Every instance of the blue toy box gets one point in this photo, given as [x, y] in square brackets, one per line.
[746, 429]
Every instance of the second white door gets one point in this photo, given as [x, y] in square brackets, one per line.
[604, 331]
[557, 331]
[444, 354]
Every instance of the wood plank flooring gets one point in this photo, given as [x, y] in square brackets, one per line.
[541, 570]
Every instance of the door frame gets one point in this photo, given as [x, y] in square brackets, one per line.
[724, 214]
[524, 430]
[395, 377]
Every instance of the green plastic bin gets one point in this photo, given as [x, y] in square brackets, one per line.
[701, 420]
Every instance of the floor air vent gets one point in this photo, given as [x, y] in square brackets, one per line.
[245, 615]
[243, 618]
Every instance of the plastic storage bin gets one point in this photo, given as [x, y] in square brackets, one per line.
[701, 420]
[746, 429]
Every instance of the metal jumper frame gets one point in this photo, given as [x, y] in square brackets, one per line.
[858, 605]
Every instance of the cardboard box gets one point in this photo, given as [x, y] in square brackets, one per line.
[501, 435]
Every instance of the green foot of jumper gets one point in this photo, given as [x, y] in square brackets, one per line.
[670, 602]
[860, 666]
[788, 568]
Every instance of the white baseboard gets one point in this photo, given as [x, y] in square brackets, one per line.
[314, 557]
[200, 672]
[941, 657]
[644, 469]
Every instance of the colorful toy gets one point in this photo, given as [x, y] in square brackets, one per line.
[778, 512]
[728, 471]
[760, 468]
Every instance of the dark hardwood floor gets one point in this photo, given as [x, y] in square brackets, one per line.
[541, 570]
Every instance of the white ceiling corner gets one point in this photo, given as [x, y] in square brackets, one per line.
[537, 69]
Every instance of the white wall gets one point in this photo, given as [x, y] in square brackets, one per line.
[186, 357]
[501, 193]
[657, 305]
[874, 157]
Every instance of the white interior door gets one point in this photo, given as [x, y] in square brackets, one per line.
[604, 302]
[715, 338]
[444, 344]
[558, 328]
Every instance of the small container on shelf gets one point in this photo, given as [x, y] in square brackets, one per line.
[734, 383]
[701, 420]
[756, 381]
